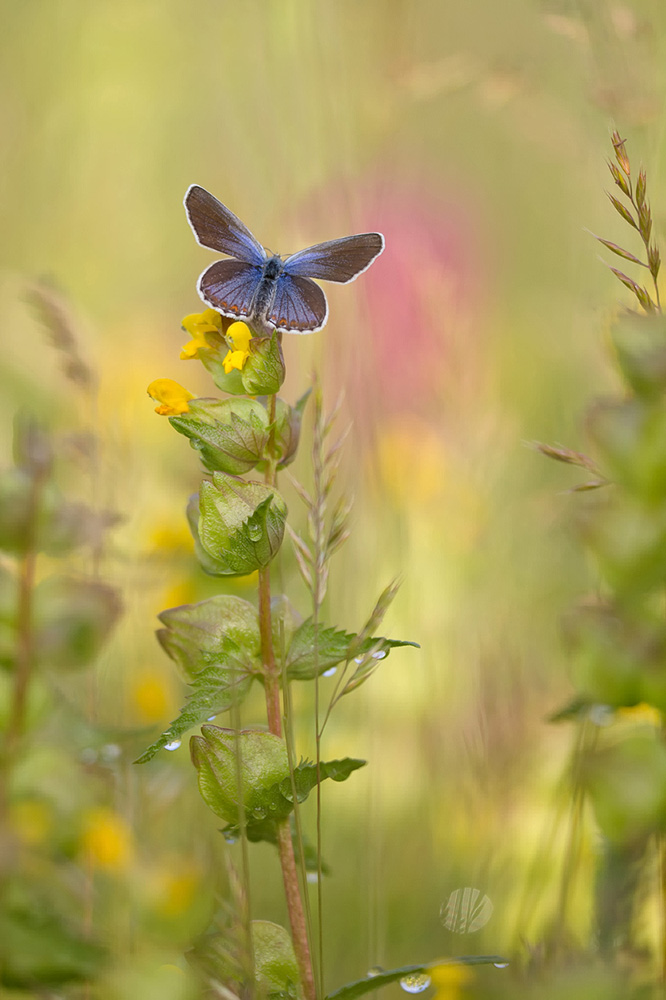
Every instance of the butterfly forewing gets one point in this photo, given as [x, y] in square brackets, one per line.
[338, 260]
[217, 228]
[229, 287]
[299, 305]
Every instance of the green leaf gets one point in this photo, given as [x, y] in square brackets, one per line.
[213, 690]
[275, 965]
[314, 649]
[240, 525]
[368, 985]
[230, 435]
[264, 371]
[277, 801]
[222, 630]
[228, 761]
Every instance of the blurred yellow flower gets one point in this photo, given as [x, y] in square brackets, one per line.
[198, 325]
[239, 336]
[640, 713]
[106, 839]
[150, 696]
[172, 397]
[450, 980]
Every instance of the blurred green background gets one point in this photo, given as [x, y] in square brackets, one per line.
[474, 136]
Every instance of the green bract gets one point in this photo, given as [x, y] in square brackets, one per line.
[264, 372]
[199, 635]
[227, 761]
[237, 525]
[275, 965]
[230, 435]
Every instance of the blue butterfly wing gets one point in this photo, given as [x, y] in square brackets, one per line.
[299, 305]
[338, 260]
[216, 228]
[229, 287]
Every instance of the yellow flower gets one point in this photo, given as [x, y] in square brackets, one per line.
[238, 336]
[106, 839]
[449, 979]
[172, 397]
[150, 697]
[198, 325]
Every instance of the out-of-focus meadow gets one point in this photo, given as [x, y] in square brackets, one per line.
[474, 136]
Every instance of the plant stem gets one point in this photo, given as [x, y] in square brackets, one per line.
[272, 688]
[25, 642]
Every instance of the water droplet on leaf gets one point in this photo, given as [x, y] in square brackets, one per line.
[379, 655]
[211, 718]
[501, 965]
[466, 911]
[329, 672]
[312, 877]
[254, 531]
[415, 982]
[173, 745]
[376, 970]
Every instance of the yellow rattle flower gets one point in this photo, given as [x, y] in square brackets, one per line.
[238, 336]
[198, 325]
[172, 397]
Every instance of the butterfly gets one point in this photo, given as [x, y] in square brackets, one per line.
[271, 292]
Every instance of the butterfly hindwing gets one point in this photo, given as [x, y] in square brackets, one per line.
[338, 260]
[299, 305]
[229, 287]
[216, 228]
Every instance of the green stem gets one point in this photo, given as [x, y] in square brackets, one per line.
[271, 675]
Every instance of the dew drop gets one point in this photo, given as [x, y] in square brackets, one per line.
[329, 672]
[211, 718]
[376, 970]
[173, 745]
[600, 715]
[415, 982]
[312, 878]
[359, 659]
[501, 965]
[379, 655]
[255, 532]
[466, 911]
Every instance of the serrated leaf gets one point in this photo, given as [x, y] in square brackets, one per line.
[276, 802]
[213, 690]
[314, 649]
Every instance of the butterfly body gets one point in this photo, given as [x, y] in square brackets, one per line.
[268, 291]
